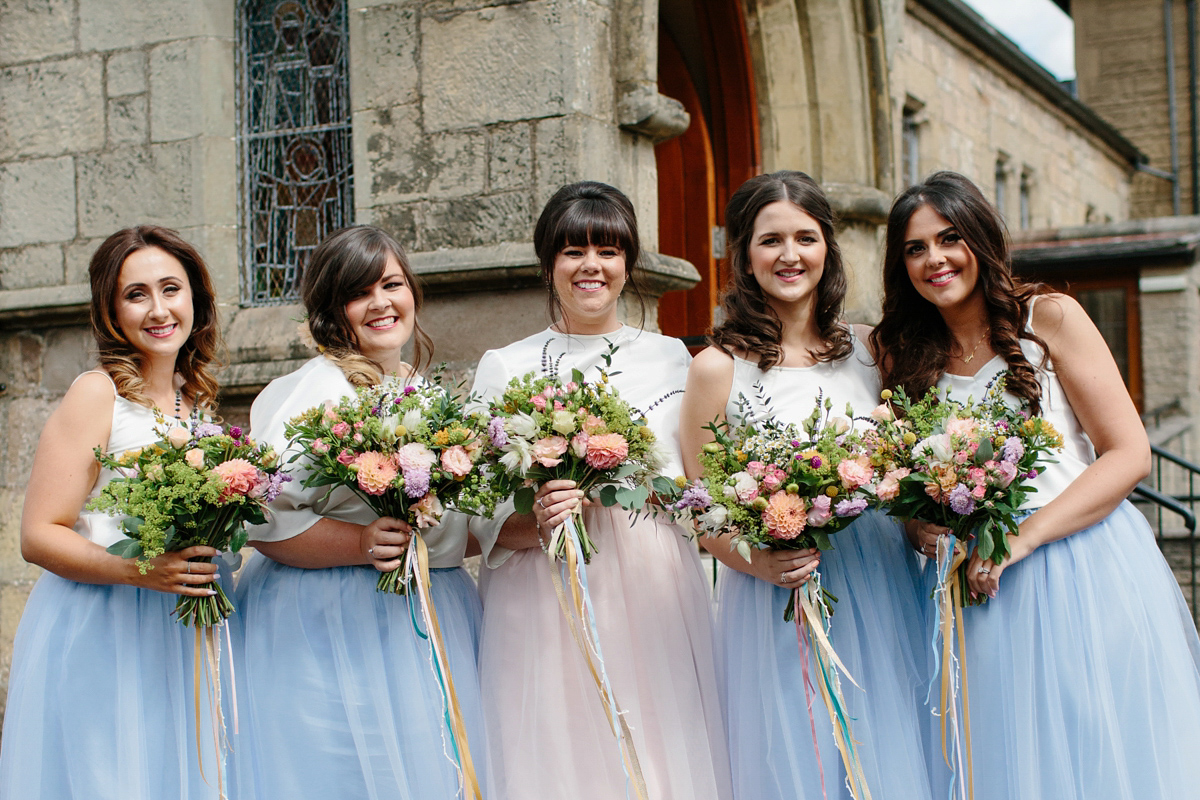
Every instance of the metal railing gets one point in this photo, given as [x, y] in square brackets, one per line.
[1172, 489]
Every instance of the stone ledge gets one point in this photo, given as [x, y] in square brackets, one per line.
[45, 305]
[859, 203]
[248, 378]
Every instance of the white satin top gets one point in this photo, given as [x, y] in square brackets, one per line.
[1077, 453]
[297, 509]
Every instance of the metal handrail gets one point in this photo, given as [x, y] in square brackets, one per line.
[1174, 459]
[1169, 503]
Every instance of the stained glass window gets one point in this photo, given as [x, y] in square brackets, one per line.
[297, 183]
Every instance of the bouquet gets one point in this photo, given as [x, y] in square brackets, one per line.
[409, 453]
[967, 466]
[193, 487]
[543, 429]
[778, 486]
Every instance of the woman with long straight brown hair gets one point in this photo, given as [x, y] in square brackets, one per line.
[101, 694]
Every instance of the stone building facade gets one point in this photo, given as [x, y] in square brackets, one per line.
[464, 116]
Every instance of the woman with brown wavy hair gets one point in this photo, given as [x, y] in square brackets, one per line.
[783, 344]
[1084, 655]
[101, 691]
[341, 698]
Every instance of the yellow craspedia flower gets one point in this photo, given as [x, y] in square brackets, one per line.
[886, 394]
[910, 438]
[401, 431]
[681, 481]
[646, 432]
[832, 491]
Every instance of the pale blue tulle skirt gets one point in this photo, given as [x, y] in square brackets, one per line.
[877, 630]
[1084, 673]
[101, 701]
[338, 696]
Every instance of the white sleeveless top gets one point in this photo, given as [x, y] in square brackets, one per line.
[132, 429]
[1077, 452]
[790, 393]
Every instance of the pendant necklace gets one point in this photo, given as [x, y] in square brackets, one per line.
[967, 359]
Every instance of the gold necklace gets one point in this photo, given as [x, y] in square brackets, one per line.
[967, 360]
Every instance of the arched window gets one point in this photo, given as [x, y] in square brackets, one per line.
[296, 181]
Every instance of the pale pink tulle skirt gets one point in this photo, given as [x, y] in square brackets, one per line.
[547, 731]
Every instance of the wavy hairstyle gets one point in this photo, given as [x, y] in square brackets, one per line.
[350, 261]
[197, 358]
[750, 324]
[583, 213]
[912, 338]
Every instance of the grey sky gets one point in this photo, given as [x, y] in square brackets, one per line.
[1039, 27]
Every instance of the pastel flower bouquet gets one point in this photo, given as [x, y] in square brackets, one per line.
[193, 487]
[776, 486]
[543, 428]
[409, 452]
[968, 466]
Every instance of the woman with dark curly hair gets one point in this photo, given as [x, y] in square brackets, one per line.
[1083, 663]
[102, 694]
[783, 344]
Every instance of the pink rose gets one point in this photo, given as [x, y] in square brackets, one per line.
[756, 469]
[456, 461]
[238, 475]
[745, 488]
[340, 429]
[345, 457]
[319, 446]
[961, 427]
[979, 491]
[1006, 471]
[194, 458]
[882, 413]
[855, 472]
[558, 406]
[579, 445]
[539, 402]
[821, 511]
[179, 436]
[572, 386]
[606, 450]
[889, 487]
[428, 510]
[774, 478]
[546, 451]
[593, 425]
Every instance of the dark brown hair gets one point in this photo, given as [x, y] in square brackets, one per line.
[348, 262]
[750, 324]
[912, 339]
[583, 213]
[120, 358]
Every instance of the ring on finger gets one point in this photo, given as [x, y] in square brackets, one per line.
[984, 571]
[189, 568]
[370, 551]
[542, 502]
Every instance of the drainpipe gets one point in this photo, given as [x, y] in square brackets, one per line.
[1172, 111]
[1192, 100]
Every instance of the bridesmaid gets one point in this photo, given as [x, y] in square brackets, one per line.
[1083, 665]
[100, 696]
[547, 731]
[783, 339]
[340, 697]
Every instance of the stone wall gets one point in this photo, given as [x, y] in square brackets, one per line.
[973, 111]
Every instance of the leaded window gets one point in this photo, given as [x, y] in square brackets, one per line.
[297, 182]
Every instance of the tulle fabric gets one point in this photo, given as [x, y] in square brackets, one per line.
[876, 630]
[101, 701]
[548, 734]
[1084, 673]
[339, 696]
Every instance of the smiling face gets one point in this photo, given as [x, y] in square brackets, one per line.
[154, 302]
[786, 254]
[588, 280]
[382, 317]
[940, 265]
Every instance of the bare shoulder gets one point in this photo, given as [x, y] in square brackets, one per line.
[90, 392]
[1055, 312]
[85, 413]
[712, 364]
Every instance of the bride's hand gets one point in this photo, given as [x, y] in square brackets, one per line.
[789, 569]
[554, 502]
[924, 536]
[383, 542]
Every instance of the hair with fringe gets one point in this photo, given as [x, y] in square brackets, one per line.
[199, 354]
[582, 214]
[750, 324]
[913, 341]
[348, 262]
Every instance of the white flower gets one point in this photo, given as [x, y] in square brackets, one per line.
[412, 419]
[564, 422]
[840, 424]
[518, 456]
[521, 424]
[743, 548]
[938, 447]
[715, 517]
[744, 486]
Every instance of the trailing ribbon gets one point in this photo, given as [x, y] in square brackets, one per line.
[949, 600]
[580, 613]
[206, 670]
[417, 568]
[813, 631]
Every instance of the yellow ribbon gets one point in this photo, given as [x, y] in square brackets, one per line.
[574, 619]
[458, 727]
[952, 629]
[206, 668]
[823, 651]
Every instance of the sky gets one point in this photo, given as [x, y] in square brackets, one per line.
[1039, 27]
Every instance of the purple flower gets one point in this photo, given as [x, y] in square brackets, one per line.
[795, 442]
[496, 432]
[409, 390]
[235, 432]
[416, 482]
[1033, 473]
[817, 462]
[694, 496]
[850, 508]
[1014, 449]
[207, 429]
[275, 485]
[961, 501]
